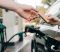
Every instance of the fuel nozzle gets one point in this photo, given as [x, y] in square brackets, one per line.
[31, 29]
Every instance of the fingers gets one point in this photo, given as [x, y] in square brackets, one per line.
[29, 14]
[32, 17]
[51, 19]
[34, 10]
[33, 14]
[31, 11]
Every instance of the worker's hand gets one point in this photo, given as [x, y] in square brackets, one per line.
[27, 12]
[52, 19]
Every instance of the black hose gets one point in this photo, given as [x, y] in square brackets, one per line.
[33, 30]
[14, 36]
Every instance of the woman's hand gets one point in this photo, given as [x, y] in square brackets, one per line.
[27, 12]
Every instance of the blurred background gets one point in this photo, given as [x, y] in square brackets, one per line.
[14, 23]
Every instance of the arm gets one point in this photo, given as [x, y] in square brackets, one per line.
[26, 11]
[8, 4]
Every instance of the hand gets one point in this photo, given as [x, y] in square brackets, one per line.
[27, 12]
[52, 19]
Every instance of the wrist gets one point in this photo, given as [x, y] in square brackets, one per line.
[17, 8]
